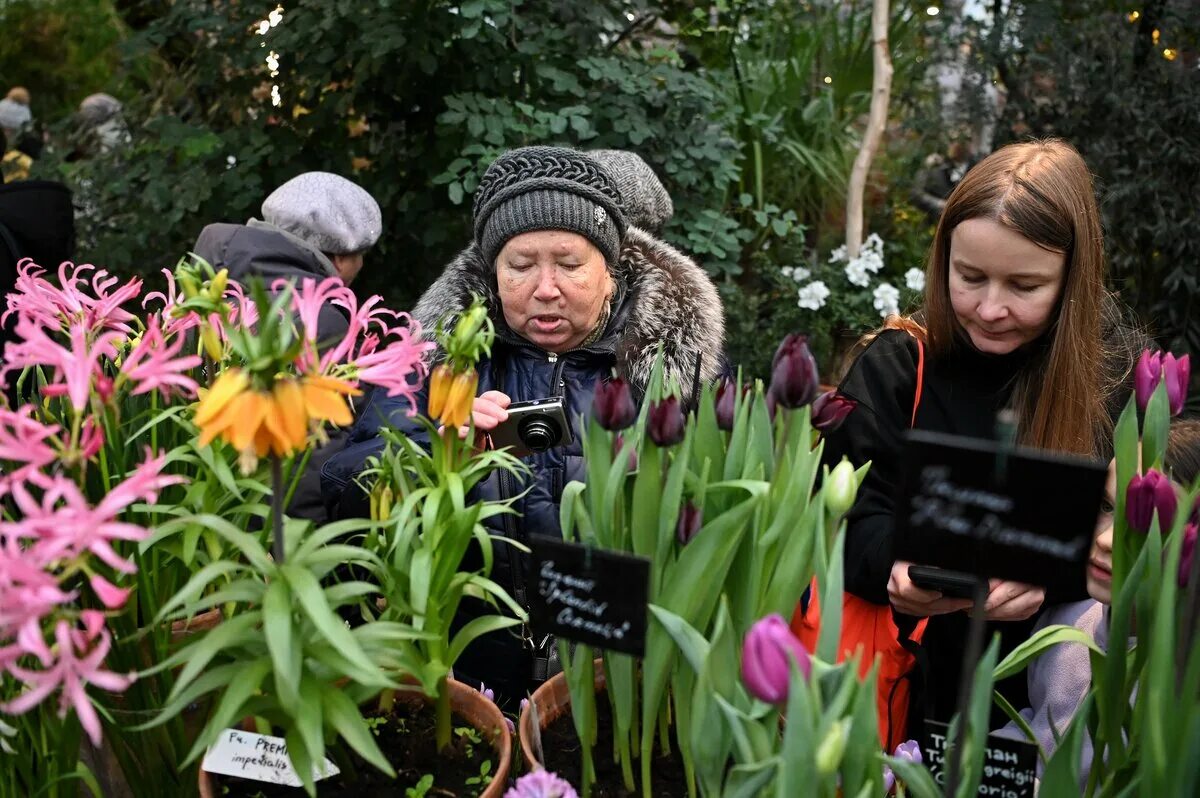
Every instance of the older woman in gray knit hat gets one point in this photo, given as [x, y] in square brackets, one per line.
[578, 294]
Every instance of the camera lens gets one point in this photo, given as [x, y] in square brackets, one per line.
[539, 432]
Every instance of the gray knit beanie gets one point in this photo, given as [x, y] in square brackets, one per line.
[326, 210]
[14, 115]
[647, 203]
[548, 188]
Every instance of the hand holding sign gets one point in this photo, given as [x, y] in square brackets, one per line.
[1012, 601]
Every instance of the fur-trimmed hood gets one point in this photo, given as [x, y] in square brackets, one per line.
[668, 300]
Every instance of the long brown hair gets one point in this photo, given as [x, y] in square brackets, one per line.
[1042, 190]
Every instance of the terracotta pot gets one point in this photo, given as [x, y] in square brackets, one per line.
[552, 701]
[181, 630]
[470, 705]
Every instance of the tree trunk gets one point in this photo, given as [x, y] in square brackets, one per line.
[881, 90]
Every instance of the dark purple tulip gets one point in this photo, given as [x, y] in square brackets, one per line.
[726, 401]
[666, 422]
[618, 445]
[1186, 553]
[1147, 494]
[691, 518]
[613, 405]
[1155, 366]
[830, 410]
[794, 373]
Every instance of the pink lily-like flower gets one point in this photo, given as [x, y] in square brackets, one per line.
[64, 526]
[109, 594]
[74, 367]
[80, 658]
[28, 593]
[242, 310]
[309, 298]
[24, 439]
[91, 438]
[398, 367]
[153, 363]
[56, 306]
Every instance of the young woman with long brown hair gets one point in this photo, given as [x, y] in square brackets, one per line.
[1015, 316]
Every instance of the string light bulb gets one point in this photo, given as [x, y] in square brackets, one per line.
[828, 79]
[1133, 16]
[1170, 53]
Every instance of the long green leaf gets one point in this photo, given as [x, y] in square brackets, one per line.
[277, 631]
[345, 717]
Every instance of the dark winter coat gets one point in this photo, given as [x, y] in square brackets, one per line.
[666, 299]
[258, 249]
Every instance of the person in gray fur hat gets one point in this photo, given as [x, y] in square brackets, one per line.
[316, 225]
[577, 293]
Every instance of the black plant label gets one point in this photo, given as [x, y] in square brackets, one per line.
[588, 595]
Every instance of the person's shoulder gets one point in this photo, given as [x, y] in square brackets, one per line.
[889, 351]
[1086, 615]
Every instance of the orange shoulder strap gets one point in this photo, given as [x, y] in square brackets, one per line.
[920, 380]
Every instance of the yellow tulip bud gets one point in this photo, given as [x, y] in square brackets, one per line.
[841, 488]
[439, 388]
[211, 341]
[833, 747]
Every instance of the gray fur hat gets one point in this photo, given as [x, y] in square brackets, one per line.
[647, 203]
[326, 210]
[548, 188]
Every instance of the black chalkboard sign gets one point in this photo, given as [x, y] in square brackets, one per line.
[1009, 766]
[588, 595]
[1026, 515]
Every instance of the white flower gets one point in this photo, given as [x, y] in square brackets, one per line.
[915, 279]
[813, 295]
[856, 273]
[231, 162]
[872, 259]
[800, 274]
[874, 244]
[838, 255]
[887, 300]
[786, 271]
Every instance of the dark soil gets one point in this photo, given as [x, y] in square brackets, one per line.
[561, 746]
[407, 739]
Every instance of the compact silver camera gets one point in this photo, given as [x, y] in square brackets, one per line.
[533, 426]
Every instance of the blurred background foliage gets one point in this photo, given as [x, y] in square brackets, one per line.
[750, 111]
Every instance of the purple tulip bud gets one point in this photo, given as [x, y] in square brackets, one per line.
[794, 373]
[1186, 552]
[613, 404]
[1147, 494]
[767, 654]
[889, 780]
[691, 518]
[910, 750]
[726, 401]
[1155, 366]
[666, 422]
[1146, 376]
[830, 410]
[618, 445]
[1177, 373]
[487, 692]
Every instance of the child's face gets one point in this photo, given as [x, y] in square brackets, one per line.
[1099, 568]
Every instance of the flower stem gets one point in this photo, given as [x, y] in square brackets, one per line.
[443, 715]
[277, 509]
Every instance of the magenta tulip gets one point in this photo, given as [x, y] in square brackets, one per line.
[794, 373]
[767, 655]
[1186, 552]
[666, 422]
[613, 405]
[1146, 495]
[726, 403]
[1152, 367]
[691, 518]
[830, 410]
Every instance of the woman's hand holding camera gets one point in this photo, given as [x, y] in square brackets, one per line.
[488, 411]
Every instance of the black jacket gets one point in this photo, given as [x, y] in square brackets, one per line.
[961, 395]
[667, 299]
[262, 250]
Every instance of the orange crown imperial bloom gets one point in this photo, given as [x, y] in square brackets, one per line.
[460, 398]
[276, 421]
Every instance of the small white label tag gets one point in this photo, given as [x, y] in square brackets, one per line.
[255, 756]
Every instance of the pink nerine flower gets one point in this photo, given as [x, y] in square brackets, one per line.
[400, 366]
[24, 439]
[64, 526]
[73, 368]
[28, 593]
[153, 363]
[79, 658]
[56, 306]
